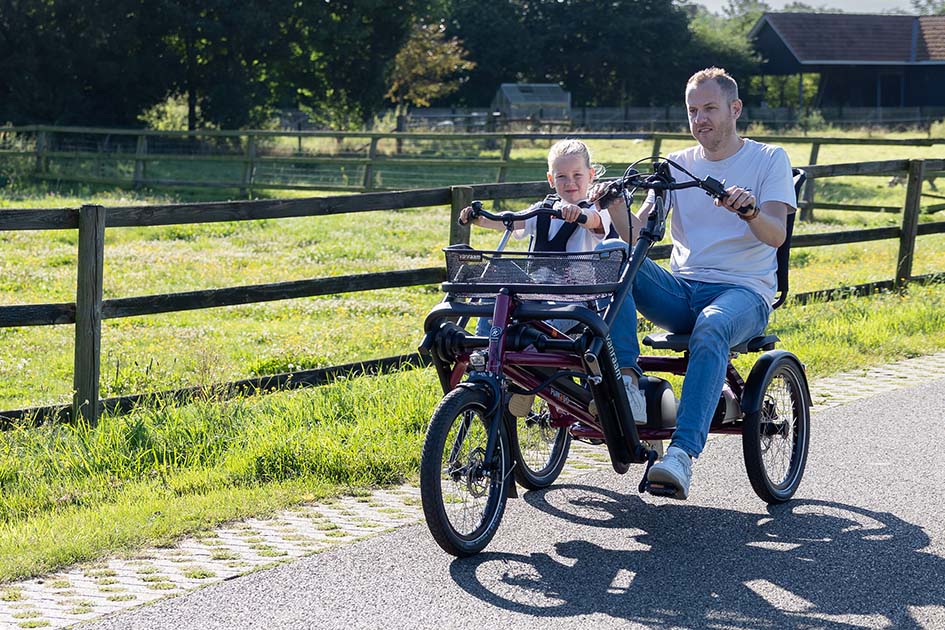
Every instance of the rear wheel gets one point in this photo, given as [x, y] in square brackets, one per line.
[463, 495]
[540, 448]
[775, 439]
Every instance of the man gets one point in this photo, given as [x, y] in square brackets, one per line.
[722, 280]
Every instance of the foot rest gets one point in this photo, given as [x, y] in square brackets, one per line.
[680, 343]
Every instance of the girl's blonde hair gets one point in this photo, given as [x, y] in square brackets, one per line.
[573, 147]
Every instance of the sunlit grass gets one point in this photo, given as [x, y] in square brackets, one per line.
[74, 493]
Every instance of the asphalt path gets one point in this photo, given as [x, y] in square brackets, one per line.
[862, 545]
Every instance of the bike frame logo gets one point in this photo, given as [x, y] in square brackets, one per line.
[495, 332]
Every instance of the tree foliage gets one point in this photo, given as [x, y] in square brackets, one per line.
[342, 61]
[427, 67]
[929, 7]
[622, 52]
[106, 62]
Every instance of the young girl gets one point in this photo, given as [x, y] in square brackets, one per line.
[570, 173]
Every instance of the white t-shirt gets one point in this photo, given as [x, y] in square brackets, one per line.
[711, 244]
[582, 240]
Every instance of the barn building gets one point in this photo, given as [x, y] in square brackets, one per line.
[862, 60]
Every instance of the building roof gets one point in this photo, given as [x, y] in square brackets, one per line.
[534, 93]
[844, 38]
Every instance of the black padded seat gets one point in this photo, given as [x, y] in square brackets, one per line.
[680, 343]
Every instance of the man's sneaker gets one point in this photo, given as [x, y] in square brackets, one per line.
[637, 400]
[520, 405]
[673, 472]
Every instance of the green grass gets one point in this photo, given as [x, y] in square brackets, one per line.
[75, 493]
[70, 494]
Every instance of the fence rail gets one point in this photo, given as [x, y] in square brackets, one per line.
[671, 118]
[251, 161]
[89, 309]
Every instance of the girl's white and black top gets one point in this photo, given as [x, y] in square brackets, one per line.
[579, 240]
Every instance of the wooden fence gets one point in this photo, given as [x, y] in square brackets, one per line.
[89, 309]
[322, 160]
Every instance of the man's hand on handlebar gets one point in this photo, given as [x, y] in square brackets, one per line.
[738, 200]
[615, 204]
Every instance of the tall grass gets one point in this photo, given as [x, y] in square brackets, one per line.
[354, 433]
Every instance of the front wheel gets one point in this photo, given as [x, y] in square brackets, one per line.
[463, 495]
[776, 430]
[541, 449]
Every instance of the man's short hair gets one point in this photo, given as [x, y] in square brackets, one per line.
[721, 77]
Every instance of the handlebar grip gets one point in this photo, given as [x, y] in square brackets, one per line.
[476, 209]
[715, 188]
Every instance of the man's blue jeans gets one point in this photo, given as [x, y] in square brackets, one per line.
[717, 316]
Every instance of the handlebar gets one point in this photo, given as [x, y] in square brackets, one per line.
[661, 180]
[507, 218]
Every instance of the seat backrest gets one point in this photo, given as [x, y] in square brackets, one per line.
[784, 251]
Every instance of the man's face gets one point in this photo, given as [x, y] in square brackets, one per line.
[711, 116]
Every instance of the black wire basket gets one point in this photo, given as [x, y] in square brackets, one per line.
[571, 276]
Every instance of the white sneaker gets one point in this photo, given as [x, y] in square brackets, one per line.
[674, 471]
[520, 405]
[637, 400]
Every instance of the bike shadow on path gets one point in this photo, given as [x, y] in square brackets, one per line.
[806, 563]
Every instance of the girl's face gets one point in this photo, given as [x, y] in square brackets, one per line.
[570, 177]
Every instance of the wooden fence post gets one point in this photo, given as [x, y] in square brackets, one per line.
[369, 168]
[506, 154]
[249, 166]
[807, 207]
[88, 314]
[42, 145]
[460, 197]
[910, 222]
[141, 166]
[657, 143]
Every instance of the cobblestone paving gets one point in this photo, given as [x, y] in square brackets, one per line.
[86, 592]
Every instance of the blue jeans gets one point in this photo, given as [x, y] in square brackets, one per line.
[717, 316]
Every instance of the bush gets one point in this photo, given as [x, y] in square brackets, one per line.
[937, 129]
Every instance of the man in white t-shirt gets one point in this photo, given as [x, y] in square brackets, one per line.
[722, 280]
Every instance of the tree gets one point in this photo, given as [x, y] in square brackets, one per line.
[929, 7]
[427, 66]
[235, 62]
[623, 52]
[106, 76]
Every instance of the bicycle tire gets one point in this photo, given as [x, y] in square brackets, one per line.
[463, 499]
[540, 449]
[775, 437]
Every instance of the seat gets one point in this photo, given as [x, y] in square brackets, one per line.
[680, 342]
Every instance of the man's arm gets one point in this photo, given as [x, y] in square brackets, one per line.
[768, 224]
[628, 225]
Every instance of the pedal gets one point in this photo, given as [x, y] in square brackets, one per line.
[661, 489]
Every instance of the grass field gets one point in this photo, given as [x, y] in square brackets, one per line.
[213, 461]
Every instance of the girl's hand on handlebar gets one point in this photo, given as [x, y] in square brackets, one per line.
[465, 215]
[571, 213]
